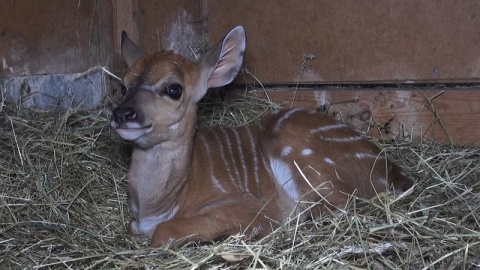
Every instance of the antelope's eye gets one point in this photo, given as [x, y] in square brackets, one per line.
[174, 91]
[123, 89]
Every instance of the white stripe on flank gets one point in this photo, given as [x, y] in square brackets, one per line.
[222, 152]
[242, 159]
[285, 117]
[255, 158]
[327, 128]
[217, 184]
[214, 179]
[236, 179]
[283, 175]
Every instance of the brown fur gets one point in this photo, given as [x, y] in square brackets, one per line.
[214, 182]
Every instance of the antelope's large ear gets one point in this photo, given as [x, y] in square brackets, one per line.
[221, 63]
[130, 51]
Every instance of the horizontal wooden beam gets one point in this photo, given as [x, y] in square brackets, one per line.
[447, 116]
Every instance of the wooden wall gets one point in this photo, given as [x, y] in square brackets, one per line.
[355, 41]
[393, 47]
[155, 25]
[442, 114]
[399, 43]
[54, 36]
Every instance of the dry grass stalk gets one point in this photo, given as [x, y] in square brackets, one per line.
[63, 204]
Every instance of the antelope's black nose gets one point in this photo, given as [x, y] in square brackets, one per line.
[123, 115]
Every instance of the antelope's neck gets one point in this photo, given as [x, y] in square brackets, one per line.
[156, 175]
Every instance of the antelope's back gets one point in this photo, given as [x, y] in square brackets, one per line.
[314, 157]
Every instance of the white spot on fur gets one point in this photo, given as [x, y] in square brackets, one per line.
[174, 126]
[286, 150]
[283, 175]
[146, 226]
[329, 161]
[307, 152]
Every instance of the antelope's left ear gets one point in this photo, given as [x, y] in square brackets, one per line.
[221, 63]
[130, 51]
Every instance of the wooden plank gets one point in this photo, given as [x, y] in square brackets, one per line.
[355, 41]
[49, 37]
[448, 116]
[125, 19]
[104, 15]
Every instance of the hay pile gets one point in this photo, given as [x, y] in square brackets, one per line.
[63, 204]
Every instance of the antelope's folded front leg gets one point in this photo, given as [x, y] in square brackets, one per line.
[174, 229]
[183, 230]
[207, 228]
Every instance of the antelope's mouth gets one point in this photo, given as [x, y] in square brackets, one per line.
[131, 130]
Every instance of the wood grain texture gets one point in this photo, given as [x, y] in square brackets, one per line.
[355, 41]
[125, 19]
[54, 36]
[448, 116]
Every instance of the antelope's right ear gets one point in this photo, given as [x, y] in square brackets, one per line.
[223, 61]
[130, 51]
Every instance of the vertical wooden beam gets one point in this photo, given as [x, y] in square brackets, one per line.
[204, 20]
[125, 19]
[104, 18]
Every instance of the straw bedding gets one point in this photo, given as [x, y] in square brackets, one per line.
[63, 204]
